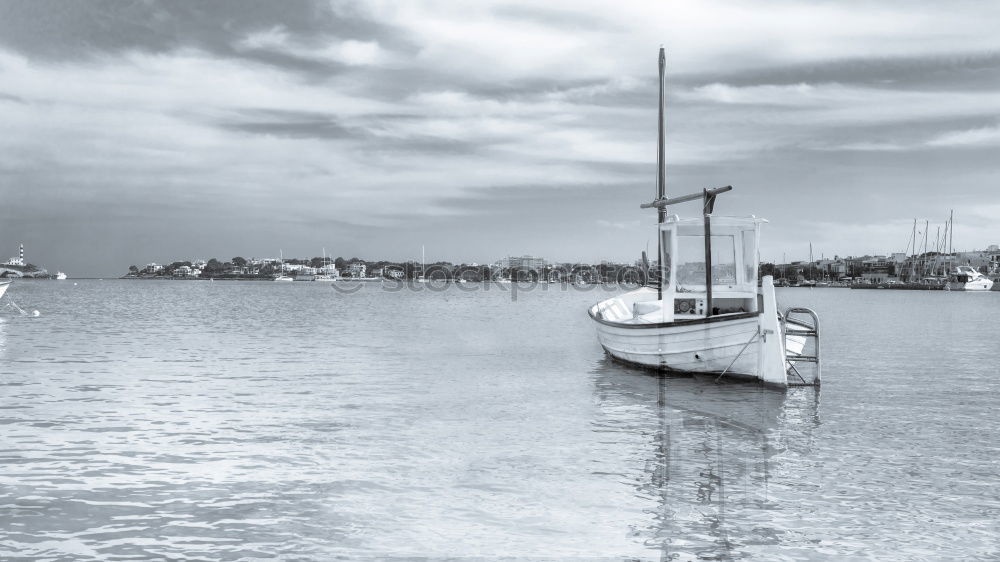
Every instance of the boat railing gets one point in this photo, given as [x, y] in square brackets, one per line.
[810, 330]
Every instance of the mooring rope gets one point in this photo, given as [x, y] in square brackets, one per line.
[745, 346]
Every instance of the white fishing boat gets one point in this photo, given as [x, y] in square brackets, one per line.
[60, 276]
[966, 278]
[706, 314]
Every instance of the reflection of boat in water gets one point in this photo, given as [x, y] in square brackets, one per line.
[966, 278]
[706, 457]
[706, 315]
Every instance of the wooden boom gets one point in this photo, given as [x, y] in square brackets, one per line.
[708, 193]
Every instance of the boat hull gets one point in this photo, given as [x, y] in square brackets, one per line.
[4, 285]
[691, 348]
[982, 284]
[749, 345]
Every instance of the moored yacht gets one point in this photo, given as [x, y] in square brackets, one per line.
[60, 276]
[966, 278]
[281, 277]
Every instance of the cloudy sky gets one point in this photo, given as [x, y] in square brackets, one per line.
[138, 131]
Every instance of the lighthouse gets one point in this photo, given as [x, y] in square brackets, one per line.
[18, 260]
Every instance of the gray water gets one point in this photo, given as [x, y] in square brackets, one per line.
[229, 420]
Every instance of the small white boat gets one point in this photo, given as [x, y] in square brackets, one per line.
[326, 267]
[706, 314]
[281, 277]
[4, 285]
[60, 276]
[423, 267]
[966, 278]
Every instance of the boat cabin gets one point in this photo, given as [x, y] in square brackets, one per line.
[965, 274]
[726, 285]
[708, 269]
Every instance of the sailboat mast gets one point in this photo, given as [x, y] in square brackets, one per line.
[951, 232]
[923, 260]
[661, 173]
[810, 261]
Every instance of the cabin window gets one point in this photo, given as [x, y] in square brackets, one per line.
[690, 263]
[749, 257]
[724, 260]
[665, 239]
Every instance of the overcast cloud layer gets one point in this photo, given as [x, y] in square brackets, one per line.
[154, 131]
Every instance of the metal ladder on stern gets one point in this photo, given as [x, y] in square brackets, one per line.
[808, 329]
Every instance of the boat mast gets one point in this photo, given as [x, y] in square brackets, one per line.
[923, 260]
[951, 229]
[810, 270]
[661, 176]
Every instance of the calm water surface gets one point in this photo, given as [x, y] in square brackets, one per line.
[224, 421]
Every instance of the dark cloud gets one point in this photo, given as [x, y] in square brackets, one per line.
[535, 201]
[969, 71]
[56, 30]
[910, 133]
[373, 132]
[11, 97]
[559, 19]
[293, 125]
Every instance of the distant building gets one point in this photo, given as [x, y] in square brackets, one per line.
[978, 259]
[357, 269]
[878, 277]
[521, 262]
[152, 268]
[832, 269]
